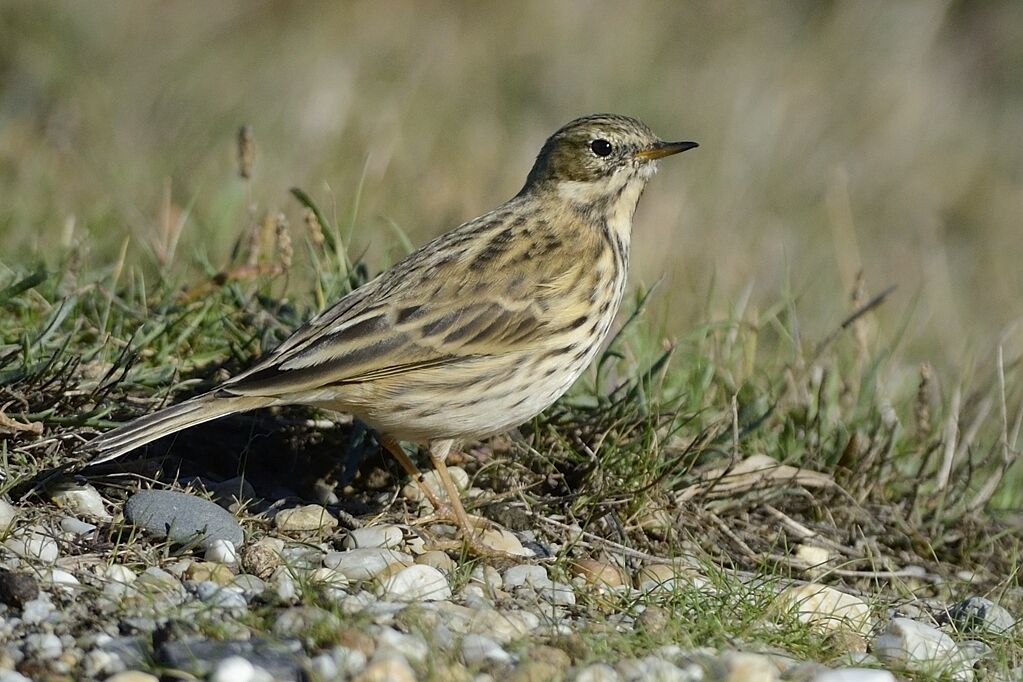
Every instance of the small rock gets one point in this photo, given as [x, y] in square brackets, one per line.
[528, 575]
[653, 619]
[439, 560]
[201, 571]
[17, 588]
[827, 609]
[8, 512]
[921, 648]
[31, 543]
[666, 578]
[559, 594]
[308, 518]
[748, 667]
[182, 518]
[487, 576]
[416, 583]
[977, 614]
[233, 669]
[412, 491]
[133, 676]
[261, 559]
[119, 573]
[855, 675]
[298, 621]
[365, 563]
[63, 580]
[652, 668]
[43, 646]
[598, 573]
[156, 581]
[389, 668]
[37, 610]
[221, 552]
[477, 649]
[541, 664]
[412, 647]
[249, 585]
[220, 596]
[284, 585]
[501, 540]
[812, 555]
[69, 524]
[81, 501]
[598, 672]
[271, 660]
[374, 536]
[349, 661]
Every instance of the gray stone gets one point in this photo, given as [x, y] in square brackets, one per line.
[921, 648]
[43, 646]
[478, 649]
[977, 614]
[529, 575]
[17, 588]
[855, 675]
[282, 660]
[182, 518]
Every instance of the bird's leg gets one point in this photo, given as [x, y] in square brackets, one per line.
[394, 447]
[439, 450]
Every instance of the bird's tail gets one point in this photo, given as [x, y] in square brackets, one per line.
[137, 433]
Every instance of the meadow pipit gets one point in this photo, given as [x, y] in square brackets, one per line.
[473, 333]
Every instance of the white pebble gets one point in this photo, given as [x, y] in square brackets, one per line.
[37, 610]
[374, 536]
[119, 573]
[31, 543]
[855, 675]
[921, 648]
[598, 672]
[481, 649]
[222, 552]
[365, 563]
[70, 524]
[8, 512]
[63, 580]
[527, 574]
[82, 501]
[412, 647]
[416, 583]
[233, 669]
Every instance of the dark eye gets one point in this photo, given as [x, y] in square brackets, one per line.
[601, 147]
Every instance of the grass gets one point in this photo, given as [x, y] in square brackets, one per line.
[137, 274]
[644, 459]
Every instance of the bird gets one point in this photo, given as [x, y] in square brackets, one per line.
[471, 334]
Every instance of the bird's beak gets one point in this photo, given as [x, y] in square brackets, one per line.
[660, 149]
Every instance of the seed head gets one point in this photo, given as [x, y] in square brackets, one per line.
[246, 151]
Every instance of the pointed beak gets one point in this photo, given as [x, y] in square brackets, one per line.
[660, 149]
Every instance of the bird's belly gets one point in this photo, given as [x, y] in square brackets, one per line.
[472, 401]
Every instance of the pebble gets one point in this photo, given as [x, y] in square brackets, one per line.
[827, 609]
[304, 519]
[8, 512]
[43, 646]
[416, 583]
[412, 647]
[119, 573]
[349, 661]
[182, 518]
[748, 667]
[300, 620]
[439, 560]
[477, 649]
[220, 596]
[374, 536]
[598, 672]
[207, 570]
[389, 668]
[558, 594]
[262, 558]
[69, 524]
[365, 563]
[665, 579]
[598, 573]
[233, 669]
[133, 676]
[33, 543]
[505, 541]
[920, 648]
[249, 585]
[977, 614]
[17, 588]
[63, 580]
[82, 500]
[529, 575]
[37, 611]
[221, 552]
[651, 669]
[412, 491]
[855, 675]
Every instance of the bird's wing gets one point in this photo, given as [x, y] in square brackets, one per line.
[383, 333]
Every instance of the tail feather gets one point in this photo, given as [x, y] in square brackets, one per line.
[137, 433]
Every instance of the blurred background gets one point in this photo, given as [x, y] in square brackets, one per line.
[835, 137]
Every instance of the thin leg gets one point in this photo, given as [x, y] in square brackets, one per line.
[394, 447]
[438, 453]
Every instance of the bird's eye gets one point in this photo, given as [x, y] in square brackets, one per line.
[601, 147]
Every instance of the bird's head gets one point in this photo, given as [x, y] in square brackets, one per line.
[598, 156]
